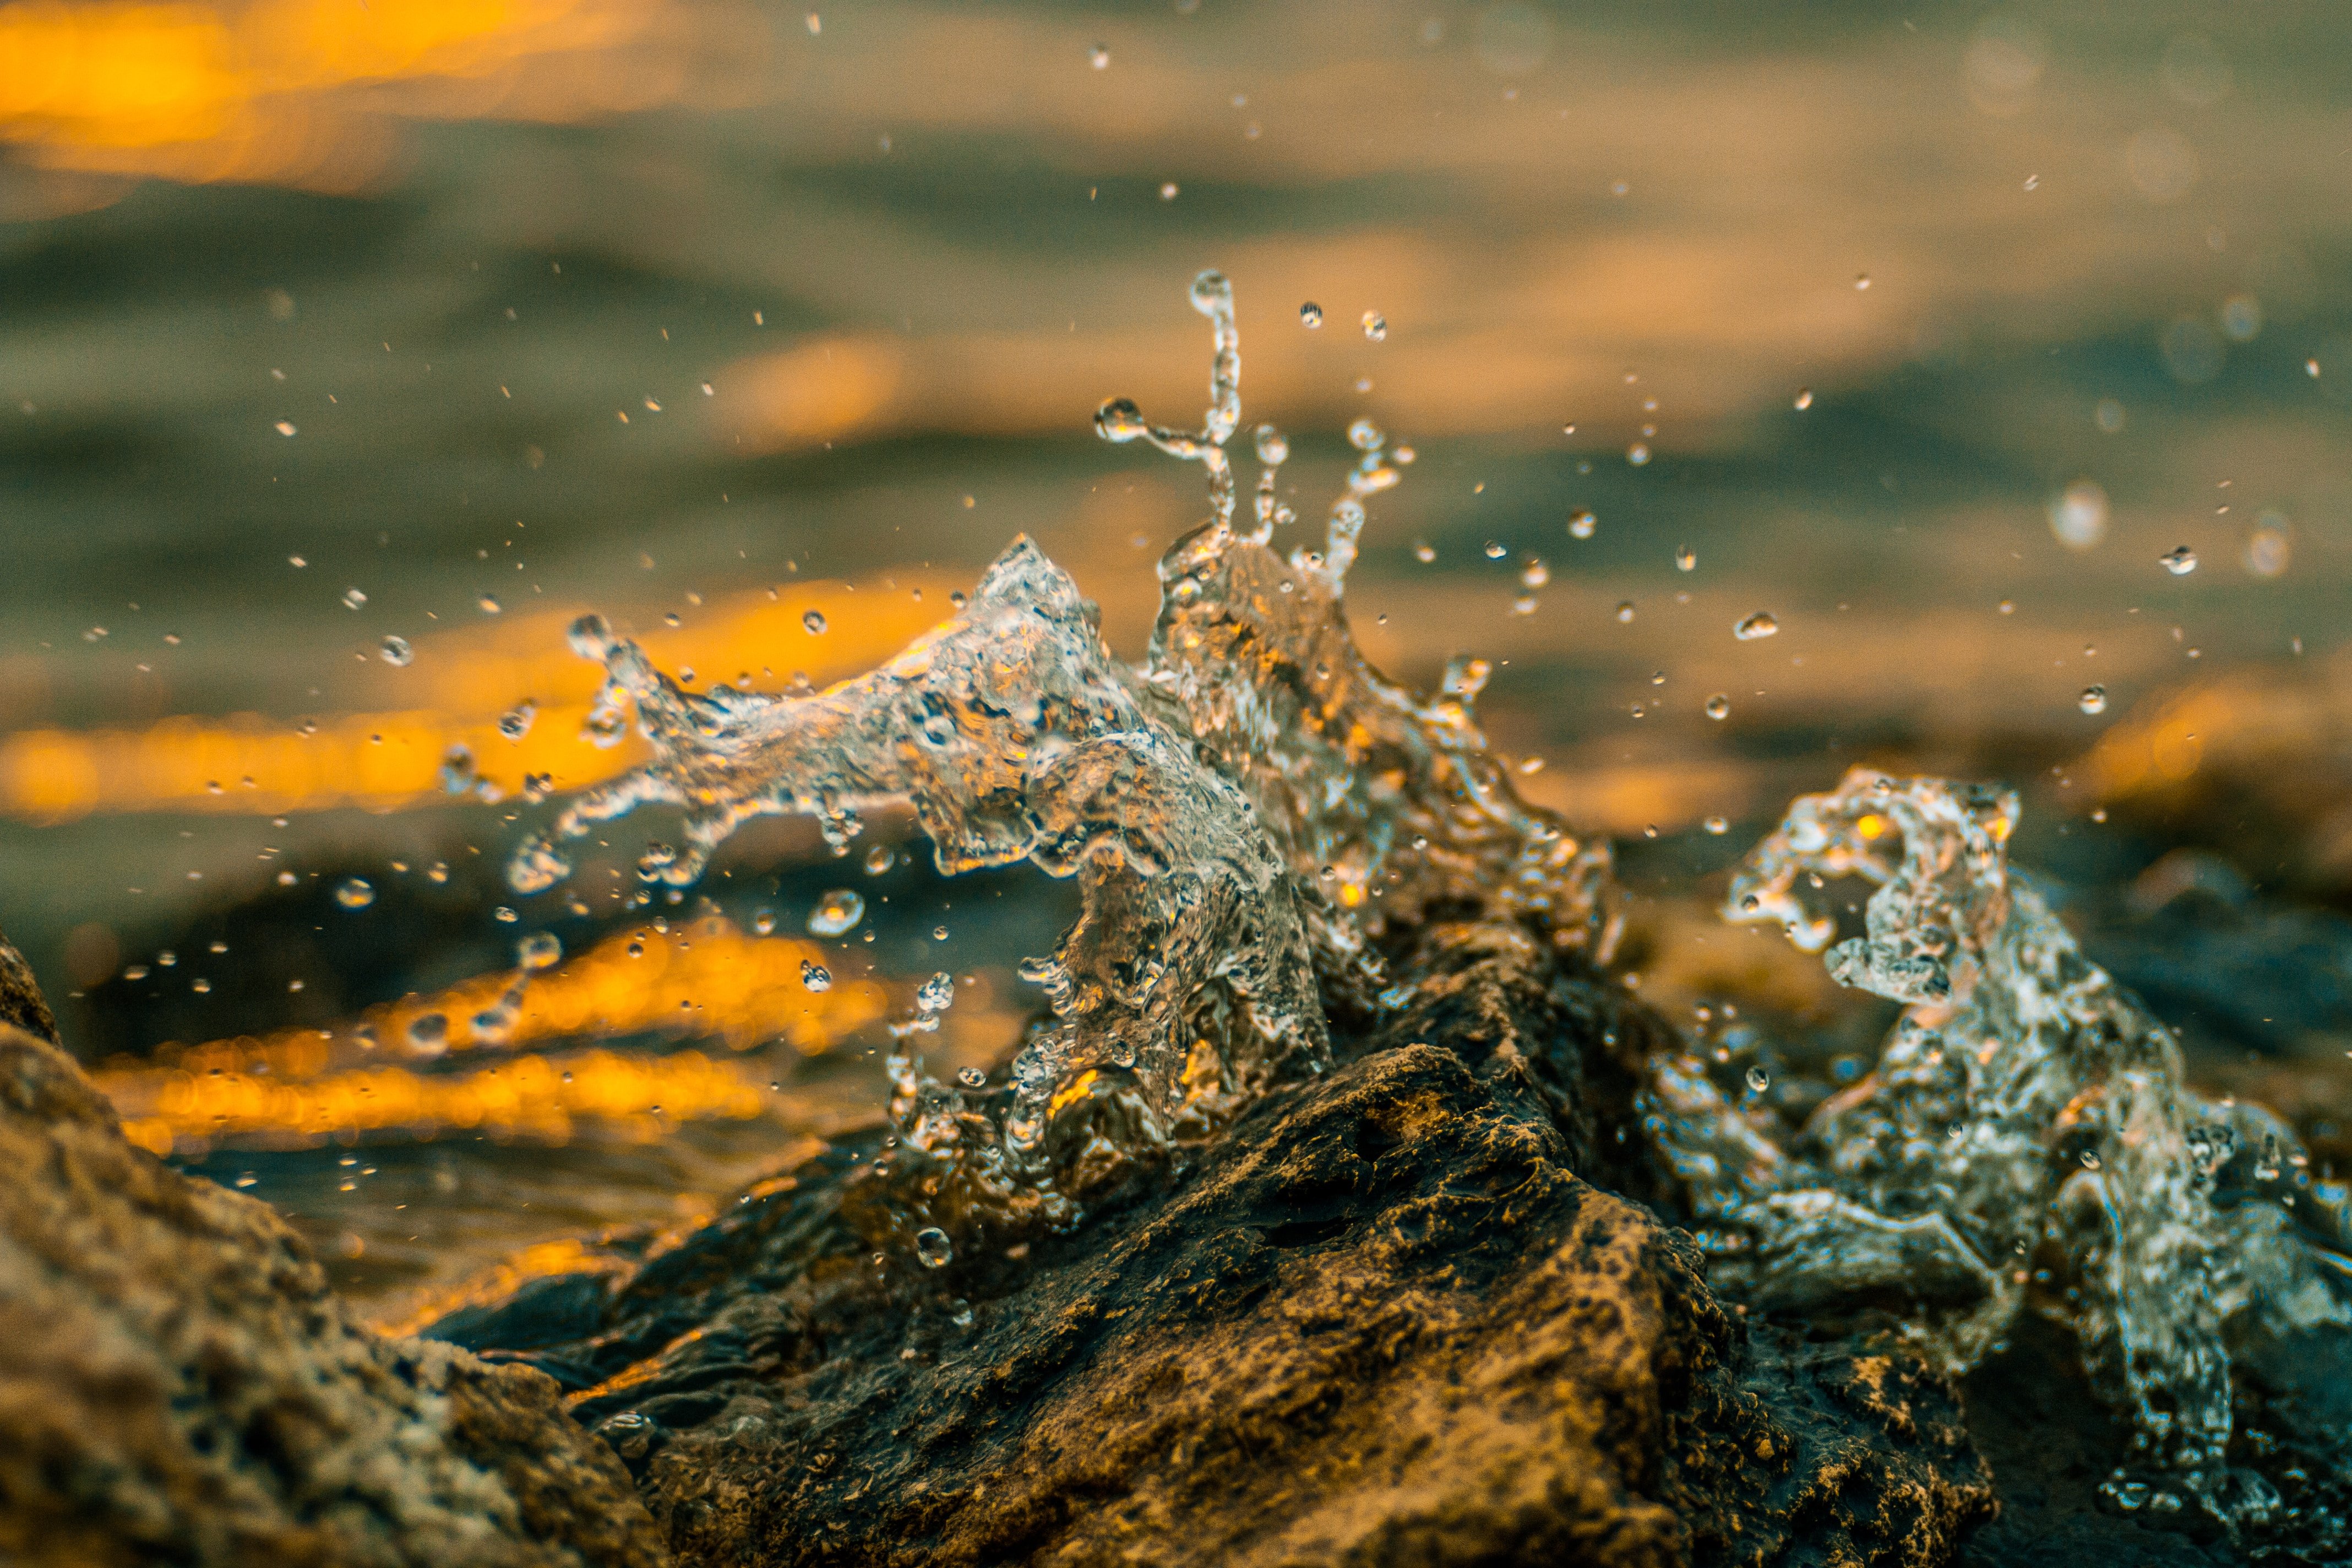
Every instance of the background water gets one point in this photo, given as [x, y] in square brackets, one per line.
[1927, 331]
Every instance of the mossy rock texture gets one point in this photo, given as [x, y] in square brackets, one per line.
[178, 1385]
[1387, 1316]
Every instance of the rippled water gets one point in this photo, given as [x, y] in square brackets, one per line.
[343, 365]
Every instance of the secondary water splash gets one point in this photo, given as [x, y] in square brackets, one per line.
[2024, 1109]
[1206, 802]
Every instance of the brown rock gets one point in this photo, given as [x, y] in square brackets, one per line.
[1384, 1319]
[178, 1385]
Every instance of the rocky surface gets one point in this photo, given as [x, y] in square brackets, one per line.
[177, 1385]
[21, 1003]
[1389, 1317]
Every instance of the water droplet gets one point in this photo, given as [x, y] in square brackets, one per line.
[936, 995]
[815, 976]
[504, 915]
[1581, 524]
[838, 912]
[515, 723]
[396, 651]
[1804, 397]
[1637, 454]
[2311, 368]
[971, 1078]
[354, 893]
[1534, 573]
[2179, 559]
[1423, 551]
[353, 598]
[1758, 1081]
[932, 1246]
[1310, 315]
[2078, 516]
[939, 933]
[1759, 624]
[1625, 611]
[814, 623]
[1495, 551]
[1273, 450]
[2089, 1161]
[1718, 706]
[1376, 326]
[539, 951]
[1861, 279]
[488, 604]
[1717, 825]
[285, 427]
[2094, 700]
[1168, 192]
[429, 1033]
[1099, 56]
[1685, 558]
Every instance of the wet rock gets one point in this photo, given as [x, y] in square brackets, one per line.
[178, 1385]
[21, 1003]
[1387, 1316]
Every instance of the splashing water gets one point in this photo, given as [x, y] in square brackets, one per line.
[2023, 1104]
[1205, 803]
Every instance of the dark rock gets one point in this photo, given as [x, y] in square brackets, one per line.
[1387, 1317]
[178, 1385]
[21, 1002]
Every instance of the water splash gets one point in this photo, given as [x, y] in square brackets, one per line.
[2024, 1108]
[1242, 815]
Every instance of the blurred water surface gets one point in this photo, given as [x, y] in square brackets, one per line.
[1928, 332]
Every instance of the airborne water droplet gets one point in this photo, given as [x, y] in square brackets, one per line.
[354, 893]
[1376, 326]
[1423, 551]
[1581, 524]
[764, 923]
[815, 976]
[1758, 1081]
[1625, 611]
[1804, 397]
[2094, 700]
[838, 912]
[537, 951]
[1718, 706]
[1535, 574]
[971, 1078]
[936, 994]
[932, 1246]
[488, 604]
[1637, 454]
[814, 622]
[1759, 624]
[396, 651]
[515, 723]
[1099, 56]
[1717, 825]
[880, 858]
[1685, 558]
[429, 1033]
[1310, 315]
[353, 598]
[2179, 560]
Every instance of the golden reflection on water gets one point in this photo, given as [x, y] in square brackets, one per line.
[704, 979]
[384, 761]
[276, 89]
